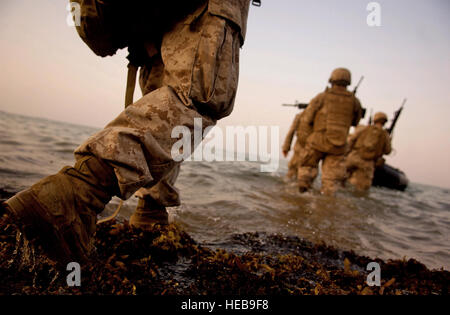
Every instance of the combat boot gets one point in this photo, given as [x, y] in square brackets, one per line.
[59, 213]
[303, 186]
[302, 189]
[148, 213]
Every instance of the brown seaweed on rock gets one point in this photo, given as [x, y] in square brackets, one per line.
[167, 261]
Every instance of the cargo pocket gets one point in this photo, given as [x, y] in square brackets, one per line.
[216, 68]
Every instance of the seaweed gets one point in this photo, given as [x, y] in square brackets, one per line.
[167, 261]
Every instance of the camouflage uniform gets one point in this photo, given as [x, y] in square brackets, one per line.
[293, 163]
[325, 126]
[363, 156]
[193, 73]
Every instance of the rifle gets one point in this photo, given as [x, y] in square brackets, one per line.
[357, 86]
[298, 105]
[364, 110]
[397, 114]
[304, 105]
[371, 117]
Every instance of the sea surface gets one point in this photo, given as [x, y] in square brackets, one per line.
[223, 199]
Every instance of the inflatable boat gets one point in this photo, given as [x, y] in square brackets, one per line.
[390, 177]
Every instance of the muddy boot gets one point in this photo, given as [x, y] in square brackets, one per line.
[148, 213]
[330, 187]
[302, 189]
[303, 186]
[59, 213]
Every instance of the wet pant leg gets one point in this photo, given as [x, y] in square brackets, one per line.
[308, 167]
[294, 162]
[333, 173]
[360, 172]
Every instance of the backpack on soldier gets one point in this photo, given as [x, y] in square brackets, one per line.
[340, 111]
[109, 25]
[370, 143]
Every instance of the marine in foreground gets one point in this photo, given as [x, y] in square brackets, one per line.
[59, 213]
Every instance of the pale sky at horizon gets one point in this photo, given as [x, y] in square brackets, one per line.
[292, 46]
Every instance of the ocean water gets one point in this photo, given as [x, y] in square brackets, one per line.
[223, 199]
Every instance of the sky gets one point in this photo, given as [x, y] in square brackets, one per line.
[291, 48]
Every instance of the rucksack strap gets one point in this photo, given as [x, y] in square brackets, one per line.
[131, 84]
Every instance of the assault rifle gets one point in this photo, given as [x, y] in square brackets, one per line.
[397, 114]
[298, 105]
[364, 110]
[371, 117]
[357, 86]
[304, 105]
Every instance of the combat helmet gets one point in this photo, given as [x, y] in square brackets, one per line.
[382, 117]
[341, 75]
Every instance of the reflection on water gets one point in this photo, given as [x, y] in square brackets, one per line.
[222, 199]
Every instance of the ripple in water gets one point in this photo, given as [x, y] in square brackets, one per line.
[224, 199]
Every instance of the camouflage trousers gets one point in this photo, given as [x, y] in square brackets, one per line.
[294, 162]
[194, 74]
[360, 172]
[333, 170]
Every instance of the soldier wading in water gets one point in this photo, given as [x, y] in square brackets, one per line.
[367, 147]
[324, 126]
[293, 163]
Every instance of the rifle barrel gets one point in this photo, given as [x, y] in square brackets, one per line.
[299, 105]
[404, 102]
[396, 117]
[357, 86]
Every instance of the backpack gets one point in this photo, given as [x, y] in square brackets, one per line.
[109, 25]
[370, 143]
[340, 112]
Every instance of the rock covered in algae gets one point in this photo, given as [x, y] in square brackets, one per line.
[167, 261]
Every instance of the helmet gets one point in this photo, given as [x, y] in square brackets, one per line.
[380, 117]
[341, 74]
